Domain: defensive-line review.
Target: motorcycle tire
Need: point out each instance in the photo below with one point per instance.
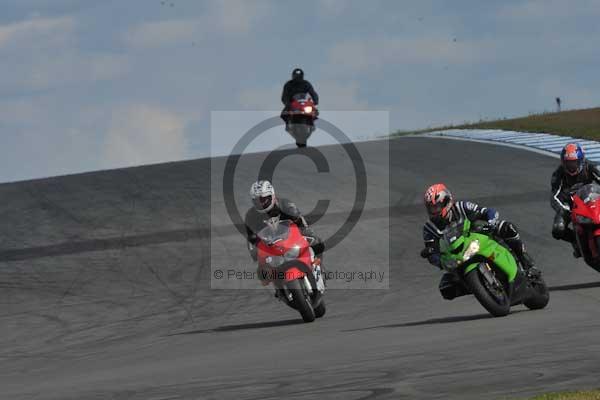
(540, 295)
(320, 309)
(485, 298)
(301, 303)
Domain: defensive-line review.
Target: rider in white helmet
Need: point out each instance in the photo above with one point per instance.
(267, 205)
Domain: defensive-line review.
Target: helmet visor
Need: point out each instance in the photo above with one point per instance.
(436, 209)
(572, 166)
(262, 202)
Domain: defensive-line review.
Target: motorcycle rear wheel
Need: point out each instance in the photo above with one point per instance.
(540, 295)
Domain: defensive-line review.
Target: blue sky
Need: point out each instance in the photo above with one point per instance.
(89, 85)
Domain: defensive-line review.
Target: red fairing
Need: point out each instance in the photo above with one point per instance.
(305, 106)
(279, 248)
(590, 210)
(587, 233)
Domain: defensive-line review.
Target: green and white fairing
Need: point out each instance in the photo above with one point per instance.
(465, 249)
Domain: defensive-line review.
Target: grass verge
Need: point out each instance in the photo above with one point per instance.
(580, 395)
(583, 123)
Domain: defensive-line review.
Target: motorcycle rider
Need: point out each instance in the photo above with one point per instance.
(267, 205)
(442, 210)
(295, 86)
(574, 169)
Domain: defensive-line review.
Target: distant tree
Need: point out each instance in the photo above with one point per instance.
(558, 104)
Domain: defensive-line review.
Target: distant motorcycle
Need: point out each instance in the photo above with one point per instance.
(585, 216)
(488, 269)
(286, 260)
(301, 118)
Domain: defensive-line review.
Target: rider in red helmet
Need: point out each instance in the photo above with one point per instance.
(573, 169)
(442, 210)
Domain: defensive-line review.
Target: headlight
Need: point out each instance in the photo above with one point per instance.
(308, 109)
(583, 220)
(471, 250)
(292, 253)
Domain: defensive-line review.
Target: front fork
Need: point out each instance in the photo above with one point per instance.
(284, 293)
(489, 275)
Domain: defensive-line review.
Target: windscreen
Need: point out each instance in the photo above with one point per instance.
(453, 232)
(589, 192)
(301, 96)
(274, 232)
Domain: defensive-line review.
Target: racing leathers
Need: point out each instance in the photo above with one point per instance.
(561, 201)
(450, 287)
(286, 210)
(293, 87)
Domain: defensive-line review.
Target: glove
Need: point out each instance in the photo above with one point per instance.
(308, 234)
(487, 229)
(427, 252)
(493, 217)
(253, 253)
(264, 274)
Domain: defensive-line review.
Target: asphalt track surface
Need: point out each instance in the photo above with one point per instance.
(105, 287)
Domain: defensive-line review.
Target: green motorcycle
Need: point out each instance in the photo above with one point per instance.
(488, 269)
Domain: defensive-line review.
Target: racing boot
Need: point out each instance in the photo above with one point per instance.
(524, 258)
(319, 273)
(576, 252)
(528, 264)
(570, 237)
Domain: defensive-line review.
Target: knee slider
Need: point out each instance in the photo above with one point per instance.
(508, 230)
(558, 230)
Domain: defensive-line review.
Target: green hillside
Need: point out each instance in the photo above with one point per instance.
(583, 123)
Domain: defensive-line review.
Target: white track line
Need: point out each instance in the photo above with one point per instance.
(541, 143)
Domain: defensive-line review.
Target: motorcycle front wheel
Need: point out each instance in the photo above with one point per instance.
(492, 296)
(301, 302)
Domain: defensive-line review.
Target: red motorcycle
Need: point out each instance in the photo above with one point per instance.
(286, 260)
(301, 118)
(585, 216)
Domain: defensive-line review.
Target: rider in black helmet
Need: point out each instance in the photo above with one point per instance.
(294, 86)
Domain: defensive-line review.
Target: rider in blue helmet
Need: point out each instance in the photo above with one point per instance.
(574, 169)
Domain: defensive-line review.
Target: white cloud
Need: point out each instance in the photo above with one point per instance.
(17, 111)
(571, 95)
(100, 67)
(232, 17)
(143, 134)
(341, 96)
(162, 33)
(61, 66)
(554, 9)
(362, 55)
(73, 67)
(333, 95)
(42, 53)
(48, 29)
(236, 16)
(332, 8)
(261, 98)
